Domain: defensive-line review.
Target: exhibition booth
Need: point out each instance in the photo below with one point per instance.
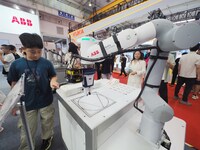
(109, 115)
(15, 22)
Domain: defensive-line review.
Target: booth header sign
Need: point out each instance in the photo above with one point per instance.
(17, 22)
(65, 15)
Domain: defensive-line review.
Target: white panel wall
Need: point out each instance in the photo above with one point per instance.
(50, 29)
(12, 38)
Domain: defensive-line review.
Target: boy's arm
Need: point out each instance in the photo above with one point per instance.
(53, 83)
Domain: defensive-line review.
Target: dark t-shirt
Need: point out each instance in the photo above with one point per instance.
(38, 93)
(106, 66)
(16, 56)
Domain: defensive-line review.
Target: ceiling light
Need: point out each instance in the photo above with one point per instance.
(32, 12)
(90, 4)
(184, 21)
(16, 7)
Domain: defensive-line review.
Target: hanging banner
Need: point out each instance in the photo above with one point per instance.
(17, 22)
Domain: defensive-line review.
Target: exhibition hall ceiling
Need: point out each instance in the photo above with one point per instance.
(170, 7)
(84, 5)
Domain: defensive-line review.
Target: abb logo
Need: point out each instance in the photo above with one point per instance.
(95, 53)
(22, 21)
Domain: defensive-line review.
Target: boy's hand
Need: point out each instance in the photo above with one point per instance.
(54, 84)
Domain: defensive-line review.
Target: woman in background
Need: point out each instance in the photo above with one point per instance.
(137, 69)
(73, 49)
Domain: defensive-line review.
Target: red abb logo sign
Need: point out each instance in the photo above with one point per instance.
(22, 21)
(95, 53)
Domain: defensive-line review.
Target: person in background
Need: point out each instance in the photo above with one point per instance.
(123, 64)
(188, 74)
(40, 79)
(13, 51)
(175, 70)
(163, 90)
(112, 61)
(197, 83)
(20, 52)
(106, 69)
(137, 69)
(73, 49)
(6, 58)
(98, 70)
(147, 56)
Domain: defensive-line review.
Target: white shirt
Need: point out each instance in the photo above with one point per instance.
(9, 58)
(140, 67)
(170, 60)
(188, 65)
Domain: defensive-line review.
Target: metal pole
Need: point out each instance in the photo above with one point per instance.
(26, 126)
(69, 30)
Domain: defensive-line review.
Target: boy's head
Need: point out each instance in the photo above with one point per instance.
(32, 45)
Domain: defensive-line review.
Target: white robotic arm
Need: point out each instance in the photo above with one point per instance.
(169, 37)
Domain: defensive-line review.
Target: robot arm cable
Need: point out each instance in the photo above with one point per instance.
(135, 104)
(112, 54)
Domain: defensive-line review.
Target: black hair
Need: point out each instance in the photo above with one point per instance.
(195, 48)
(5, 46)
(12, 47)
(141, 55)
(29, 40)
(73, 48)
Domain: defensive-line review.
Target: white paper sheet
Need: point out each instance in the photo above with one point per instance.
(11, 99)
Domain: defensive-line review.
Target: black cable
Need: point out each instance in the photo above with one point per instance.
(135, 104)
(112, 54)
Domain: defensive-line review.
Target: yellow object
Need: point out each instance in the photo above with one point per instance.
(69, 72)
(107, 7)
(98, 25)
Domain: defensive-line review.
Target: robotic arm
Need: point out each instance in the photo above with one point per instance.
(169, 37)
